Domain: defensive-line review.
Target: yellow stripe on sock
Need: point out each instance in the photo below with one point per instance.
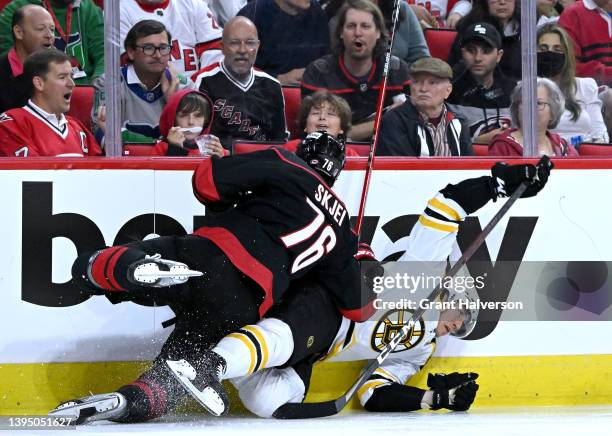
(262, 343)
(246, 341)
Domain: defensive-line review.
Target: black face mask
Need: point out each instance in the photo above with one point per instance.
(550, 63)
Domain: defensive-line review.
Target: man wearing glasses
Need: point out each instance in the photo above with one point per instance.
(196, 36)
(146, 84)
(248, 104)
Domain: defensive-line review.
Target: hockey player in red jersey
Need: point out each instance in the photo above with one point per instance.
(298, 316)
(271, 218)
(41, 128)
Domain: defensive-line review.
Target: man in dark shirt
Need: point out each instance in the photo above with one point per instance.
(354, 70)
(293, 33)
(248, 103)
(481, 92)
(32, 30)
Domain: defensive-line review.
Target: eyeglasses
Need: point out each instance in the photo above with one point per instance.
(150, 49)
(235, 44)
(542, 105)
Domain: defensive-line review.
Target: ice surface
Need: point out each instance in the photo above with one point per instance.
(540, 421)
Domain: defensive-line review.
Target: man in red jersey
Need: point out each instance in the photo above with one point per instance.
(40, 128)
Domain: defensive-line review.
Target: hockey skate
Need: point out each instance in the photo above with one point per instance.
(205, 386)
(93, 408)
(158, 273)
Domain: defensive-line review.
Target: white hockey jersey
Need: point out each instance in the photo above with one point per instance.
(196, 36)
(431, 239)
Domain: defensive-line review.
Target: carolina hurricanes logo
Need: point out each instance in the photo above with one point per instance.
(390, 325)
(4, 117)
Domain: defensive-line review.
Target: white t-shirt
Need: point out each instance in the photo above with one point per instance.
(590, 124)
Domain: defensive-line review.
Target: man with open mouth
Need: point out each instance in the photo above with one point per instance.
(355, 68)
(40, 128)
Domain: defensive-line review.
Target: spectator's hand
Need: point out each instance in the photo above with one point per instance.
(101, 116)
(293, 77)
(175, 136)
(214, 145)
(169, 86)
(452, 20)
(424, 17)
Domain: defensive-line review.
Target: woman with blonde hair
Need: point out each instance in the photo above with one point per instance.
(582, 120)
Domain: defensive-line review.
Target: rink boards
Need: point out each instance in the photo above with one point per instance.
(58, 344)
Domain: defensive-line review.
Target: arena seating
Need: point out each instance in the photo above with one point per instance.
(82, 103)
(293, 100)
(595, 149)
(440, 42)
(481, 149)
(241, 147)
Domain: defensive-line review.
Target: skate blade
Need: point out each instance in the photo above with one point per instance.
(83, 411)
(170, 274)
(207, 397)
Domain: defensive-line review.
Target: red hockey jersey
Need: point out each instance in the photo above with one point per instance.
(27, 132)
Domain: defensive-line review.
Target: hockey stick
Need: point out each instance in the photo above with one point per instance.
(378, 116)
(332, 407)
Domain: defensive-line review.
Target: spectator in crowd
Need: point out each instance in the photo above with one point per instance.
(147, 83)
(589, 25)
(505, 15)
(435, 13)
(550, 106)
(248, 103)
(606, 99)
(33, 30)
(424, 125)
(582, 120)
(196, 36)
(293, 33)
(355, 68)
(481, 92)
(409, 42)
(185, 129)
(79, 31)
(40, 128)
(323, 112)
(223, 10)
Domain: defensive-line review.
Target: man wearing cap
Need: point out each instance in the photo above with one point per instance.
(424, 125)
(481, 92)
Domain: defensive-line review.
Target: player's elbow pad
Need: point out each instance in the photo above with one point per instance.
(395, 398)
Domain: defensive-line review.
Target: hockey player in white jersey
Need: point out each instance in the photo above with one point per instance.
(302, 328)
(305, 326)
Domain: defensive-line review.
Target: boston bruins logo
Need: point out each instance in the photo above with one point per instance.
(390, 325)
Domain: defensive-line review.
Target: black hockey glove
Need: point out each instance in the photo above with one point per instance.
(455, 391)
(370, 267)
(508, 177)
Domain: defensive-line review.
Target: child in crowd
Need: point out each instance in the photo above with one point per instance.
(184, 125)
(323, 112)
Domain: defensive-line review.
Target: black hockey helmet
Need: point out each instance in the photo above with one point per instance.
(324, 153)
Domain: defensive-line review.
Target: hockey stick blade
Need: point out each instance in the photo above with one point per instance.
(328, 408)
